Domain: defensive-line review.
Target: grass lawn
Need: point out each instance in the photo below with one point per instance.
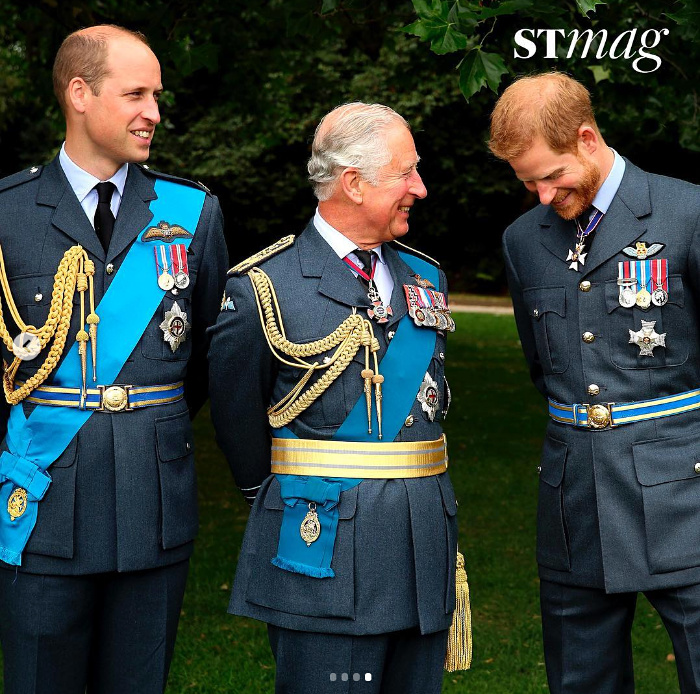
(494, 429)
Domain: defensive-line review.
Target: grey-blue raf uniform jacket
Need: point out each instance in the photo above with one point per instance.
(394, 556)
(618, 508)
(123, 495)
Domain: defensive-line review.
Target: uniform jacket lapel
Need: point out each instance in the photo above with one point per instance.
(318, 259)
(623, 224)
(69, 217)
(134, 213)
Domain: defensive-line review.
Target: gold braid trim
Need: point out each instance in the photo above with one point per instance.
(352, 334)
(69, 277)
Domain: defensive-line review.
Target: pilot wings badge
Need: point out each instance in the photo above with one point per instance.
(164, 231)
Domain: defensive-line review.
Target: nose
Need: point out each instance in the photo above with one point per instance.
(151, 112)
(417, 187)
(545, 191)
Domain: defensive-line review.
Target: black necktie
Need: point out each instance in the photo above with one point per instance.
(365, 257)
(104, 219)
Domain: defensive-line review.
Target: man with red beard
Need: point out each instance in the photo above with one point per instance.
(604, 278)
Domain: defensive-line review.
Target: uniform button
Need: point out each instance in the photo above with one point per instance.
(535, 312)
(109, 269)
(593, 389)
(588, 337)
(38, 297)
(585, 286)
(539, 469)
(409, 421)
(188, 446)
(697, 468)
(390, 334)
(442, 356)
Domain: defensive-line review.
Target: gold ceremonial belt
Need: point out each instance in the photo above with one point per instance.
(359, 460)
(114, 398)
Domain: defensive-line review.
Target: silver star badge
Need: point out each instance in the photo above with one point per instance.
(428, 396)
(175, 326)
(647, 338)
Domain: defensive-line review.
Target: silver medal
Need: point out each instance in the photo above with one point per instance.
(182, 280)
(628, 297)
(659, 296)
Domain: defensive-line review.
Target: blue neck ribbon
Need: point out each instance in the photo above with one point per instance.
(404, 365)
(35, 442)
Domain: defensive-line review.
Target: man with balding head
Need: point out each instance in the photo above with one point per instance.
(604, 277)
(114, 275)
(337, 339)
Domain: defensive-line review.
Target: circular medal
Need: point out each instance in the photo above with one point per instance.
(659, 297)
(310, 529)
(419, 316)
(643, 298)
(182, 280)
(430, 318)
(628, 297)
(441, 320)
(166, 281)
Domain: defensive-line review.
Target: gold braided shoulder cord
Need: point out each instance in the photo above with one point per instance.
(352, 334)
(75, 271)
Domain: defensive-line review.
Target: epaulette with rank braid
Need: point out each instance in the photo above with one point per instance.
(413, 251)
(175, 179)
(262, 256)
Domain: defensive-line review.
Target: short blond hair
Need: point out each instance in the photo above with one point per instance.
(550, 104)
(84, 54)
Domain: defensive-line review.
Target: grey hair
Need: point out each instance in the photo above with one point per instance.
(355, 137)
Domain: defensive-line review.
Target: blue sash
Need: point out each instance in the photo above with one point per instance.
(34, 443)
(403, 366)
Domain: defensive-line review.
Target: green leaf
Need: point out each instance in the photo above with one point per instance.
(599, 73)
(449, 41)
(480, 69)
(438, 25)
(329, 6)
(585, 6)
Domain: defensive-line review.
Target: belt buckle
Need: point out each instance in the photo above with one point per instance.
(599, 416)
(114, 398)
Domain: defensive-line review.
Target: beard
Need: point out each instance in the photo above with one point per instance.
(581, 197)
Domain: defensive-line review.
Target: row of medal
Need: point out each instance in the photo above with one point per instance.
(171, 267)
(428, 308)
(643, 283)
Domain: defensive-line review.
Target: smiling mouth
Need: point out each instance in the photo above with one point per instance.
(405, 209)
(560, 200)
(142, 134)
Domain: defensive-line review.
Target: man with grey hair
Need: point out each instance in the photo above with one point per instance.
(338, 340)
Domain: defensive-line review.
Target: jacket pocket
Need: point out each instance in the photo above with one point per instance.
(449, 503)
(546, 307)
(178, 481)
(552, 542)
(670, 319)
(291, 593)
(669, 472)
(53, 534)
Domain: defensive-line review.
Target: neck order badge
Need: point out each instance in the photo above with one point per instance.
(34, 443)
(312, 502)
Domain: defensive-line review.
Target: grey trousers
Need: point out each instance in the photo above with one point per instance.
(108, 633)
(401, 662)
(587, 637)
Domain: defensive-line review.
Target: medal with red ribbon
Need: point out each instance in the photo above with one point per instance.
(379, 311)
(659, 277)
(178, 255)
(428, 308)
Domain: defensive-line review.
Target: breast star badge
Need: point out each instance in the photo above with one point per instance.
(175, 326)
(428, 397)
(647, 338)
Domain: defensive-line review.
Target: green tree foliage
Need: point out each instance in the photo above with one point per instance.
(247, 82)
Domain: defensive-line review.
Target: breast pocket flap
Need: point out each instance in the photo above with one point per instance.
(667, 460)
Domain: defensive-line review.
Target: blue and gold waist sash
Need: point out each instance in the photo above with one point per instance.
(35, 442)
(403, 366)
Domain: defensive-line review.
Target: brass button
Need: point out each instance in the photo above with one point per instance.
(588, 337)
(593, 389)
(585, 286)
(38, 297)
(409, 421)
(535, 312)
(697, 468)
(109, 269)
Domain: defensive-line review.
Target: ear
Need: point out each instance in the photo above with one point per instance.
(78, 94)
(588, 138)
(351, 183)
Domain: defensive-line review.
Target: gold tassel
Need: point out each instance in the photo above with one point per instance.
(459, 642)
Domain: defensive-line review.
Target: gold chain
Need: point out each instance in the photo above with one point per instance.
(71, 274)
(352, 334)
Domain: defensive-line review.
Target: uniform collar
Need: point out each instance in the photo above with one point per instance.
(610, 186)
(341, 244)
(83, 182)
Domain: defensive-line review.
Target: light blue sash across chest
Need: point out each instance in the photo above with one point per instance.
(403, 366)
(35, 442)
